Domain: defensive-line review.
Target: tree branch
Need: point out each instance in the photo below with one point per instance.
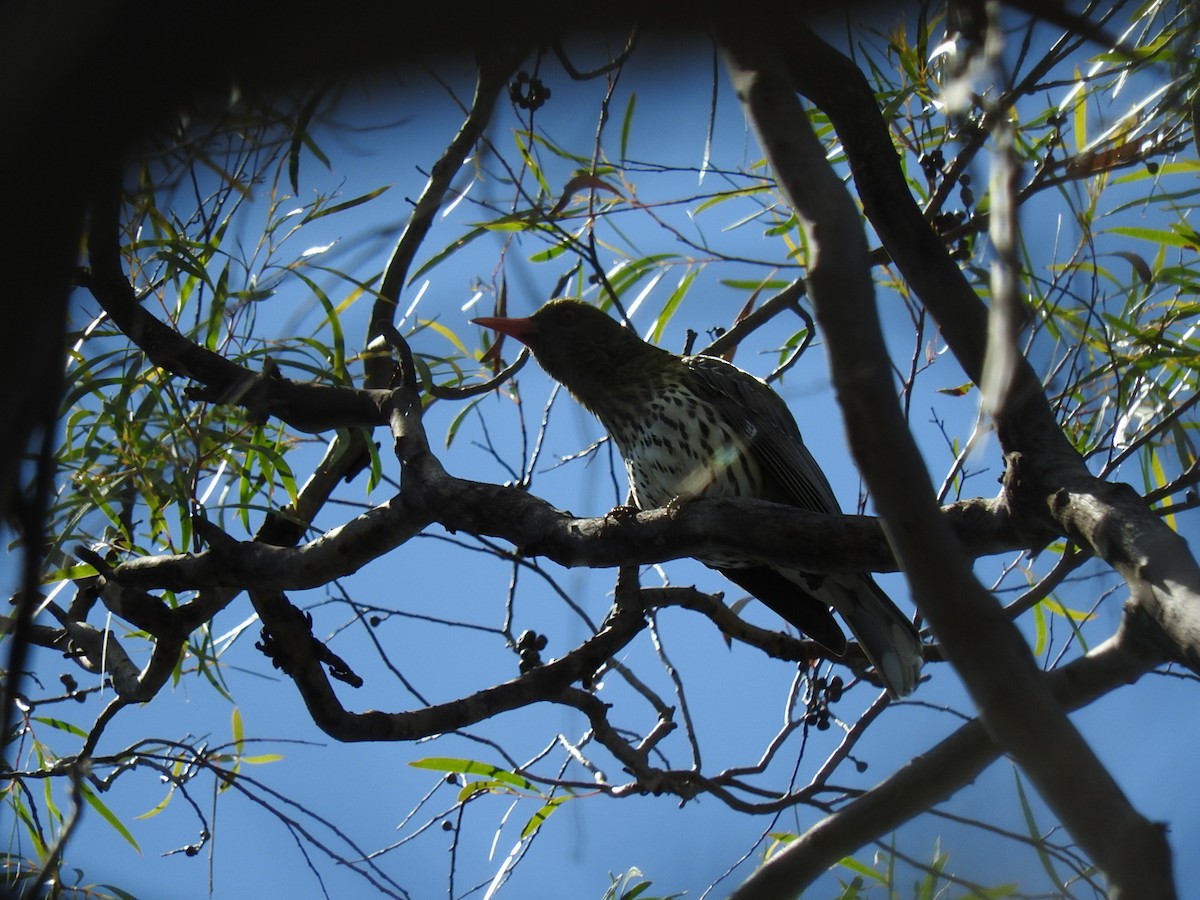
(544, 683)
(986, 649)
(934, 776)
(496, 65)
(765, 531)
(307, 407)
(1047, 485)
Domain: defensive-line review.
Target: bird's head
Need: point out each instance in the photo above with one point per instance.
(582, 348)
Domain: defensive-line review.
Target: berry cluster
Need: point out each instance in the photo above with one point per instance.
(933, 164)
(824, 693)
(529, 647)
(72, 687)
(528, 91)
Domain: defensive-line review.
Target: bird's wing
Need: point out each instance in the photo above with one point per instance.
(763, 419)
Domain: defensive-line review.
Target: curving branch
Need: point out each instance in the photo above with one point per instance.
(306, 407)
(986, 649)
(293, 650)
(1047, 482)
(496, 66)
(934, 776)
(753, 528)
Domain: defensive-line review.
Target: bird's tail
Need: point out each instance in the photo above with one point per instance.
(888, 638)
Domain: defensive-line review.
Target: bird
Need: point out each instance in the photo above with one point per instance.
(699, 427)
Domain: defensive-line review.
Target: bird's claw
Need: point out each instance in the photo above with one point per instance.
(619, 514)
(675, 507)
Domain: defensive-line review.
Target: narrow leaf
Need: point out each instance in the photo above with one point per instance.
(536, 820)
(107, 815)
(627, 124)
(345, 205)
(472, 767)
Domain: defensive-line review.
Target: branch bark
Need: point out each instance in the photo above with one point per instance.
(934, 776)
(496, 65)
(766, 531)
(1048, 484)
(986, 649)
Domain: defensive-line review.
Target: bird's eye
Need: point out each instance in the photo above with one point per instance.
(568, 316)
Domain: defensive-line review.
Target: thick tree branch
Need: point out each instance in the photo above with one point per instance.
(1053, 487)
(755, 528)
(293, 638)
(932, 777)
(429, 495)
(306, 407)
(985, 648)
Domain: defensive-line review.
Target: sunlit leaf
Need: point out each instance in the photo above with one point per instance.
(446, 333)
(1079, 114)
(1189, 241)
(627, 124)
(107, 815)
(60, 725)
(960, 391)
(346, 204)
(538, 818)
(472, 767)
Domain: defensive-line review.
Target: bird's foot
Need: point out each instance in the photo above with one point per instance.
(619, 514)
(678, 502)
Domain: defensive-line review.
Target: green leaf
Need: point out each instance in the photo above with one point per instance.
(446, 333)
(724, 196)
(1040, 633)
(1075, 615)
(448, 251)
(238, 732)
(673, 302)
(348, 204)
(538, 818)
(520, 221)
(262, 759)
(459, 418)
(337, 350)
(61, 726)
(849, 862)
(1036, 835)
(1079, 113)
(1189, 241)
(567, 242)
(1181, 167)
(107, 815)
(151, 813)
(771, 284)
(473, 767)
(627, 124)
(526, 152)
(998, 892)
(961, 391)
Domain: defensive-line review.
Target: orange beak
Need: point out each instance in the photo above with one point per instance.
(521, 329)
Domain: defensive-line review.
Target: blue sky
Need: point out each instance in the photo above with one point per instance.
(736, 697)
